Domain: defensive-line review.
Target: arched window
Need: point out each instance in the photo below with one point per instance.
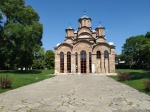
(106, 54)
(83, 61)
(61, 62)
(68, 62)
(76, 60)
(98, 54)
(90, 62)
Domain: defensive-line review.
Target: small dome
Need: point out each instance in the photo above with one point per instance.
(93, 31)
(58, 44)
(99, 26)
(84, 16)
(75, 31)
(69, 27)
(111, 43)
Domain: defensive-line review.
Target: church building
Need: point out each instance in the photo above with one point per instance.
(85, 50)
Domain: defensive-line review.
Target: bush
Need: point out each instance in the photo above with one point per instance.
(124, 76)
(5, 82)
(147, 85)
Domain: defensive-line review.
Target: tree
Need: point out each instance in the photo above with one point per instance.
(39, 61)
(132, 50)
(22, 33)
(2, 44)
(49, 59)
(146, 49)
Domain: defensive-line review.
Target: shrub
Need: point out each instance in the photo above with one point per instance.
(5, 82)
(147, 85)
(124, 76)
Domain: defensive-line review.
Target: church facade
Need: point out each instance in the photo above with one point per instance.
(85, 50)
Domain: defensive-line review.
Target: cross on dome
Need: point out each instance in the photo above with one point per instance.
(99, 24)
(84, 16)
(84, 12)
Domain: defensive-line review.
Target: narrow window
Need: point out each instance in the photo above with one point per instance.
(61, 62)
(84, 22)
(76, 60)
(98, 54)
(90, 62)
(106, 54)
(68, 62)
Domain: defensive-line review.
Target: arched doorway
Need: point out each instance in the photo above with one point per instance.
(83, 61)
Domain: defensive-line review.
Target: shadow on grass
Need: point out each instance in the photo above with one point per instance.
(21, 72)
(137, 75)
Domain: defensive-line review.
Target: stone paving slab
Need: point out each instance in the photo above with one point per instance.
(75, 93)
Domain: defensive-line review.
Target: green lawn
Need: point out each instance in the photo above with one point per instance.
(138, 78)
(22, 78)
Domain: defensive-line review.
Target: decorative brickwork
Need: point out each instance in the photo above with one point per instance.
(85, 50)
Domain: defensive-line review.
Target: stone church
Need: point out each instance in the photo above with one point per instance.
(85, 50)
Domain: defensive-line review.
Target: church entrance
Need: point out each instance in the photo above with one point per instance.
(83, 61)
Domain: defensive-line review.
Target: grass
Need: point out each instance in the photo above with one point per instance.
(22, 78)
(138, 77)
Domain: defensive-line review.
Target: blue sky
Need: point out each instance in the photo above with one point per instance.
(121, 18)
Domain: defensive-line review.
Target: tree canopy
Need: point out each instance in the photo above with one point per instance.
(49, 59)
(20, 34)
(136, 51)
(39, 59)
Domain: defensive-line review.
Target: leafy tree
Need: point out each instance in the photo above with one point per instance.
(146, 49)
(49, 59)
(22, 33)
(2, 55)
(39, 62)
(132, 50)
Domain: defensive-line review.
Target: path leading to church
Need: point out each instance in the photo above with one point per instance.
(75, 93)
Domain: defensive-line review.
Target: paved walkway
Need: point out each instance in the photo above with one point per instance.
(75, 93)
